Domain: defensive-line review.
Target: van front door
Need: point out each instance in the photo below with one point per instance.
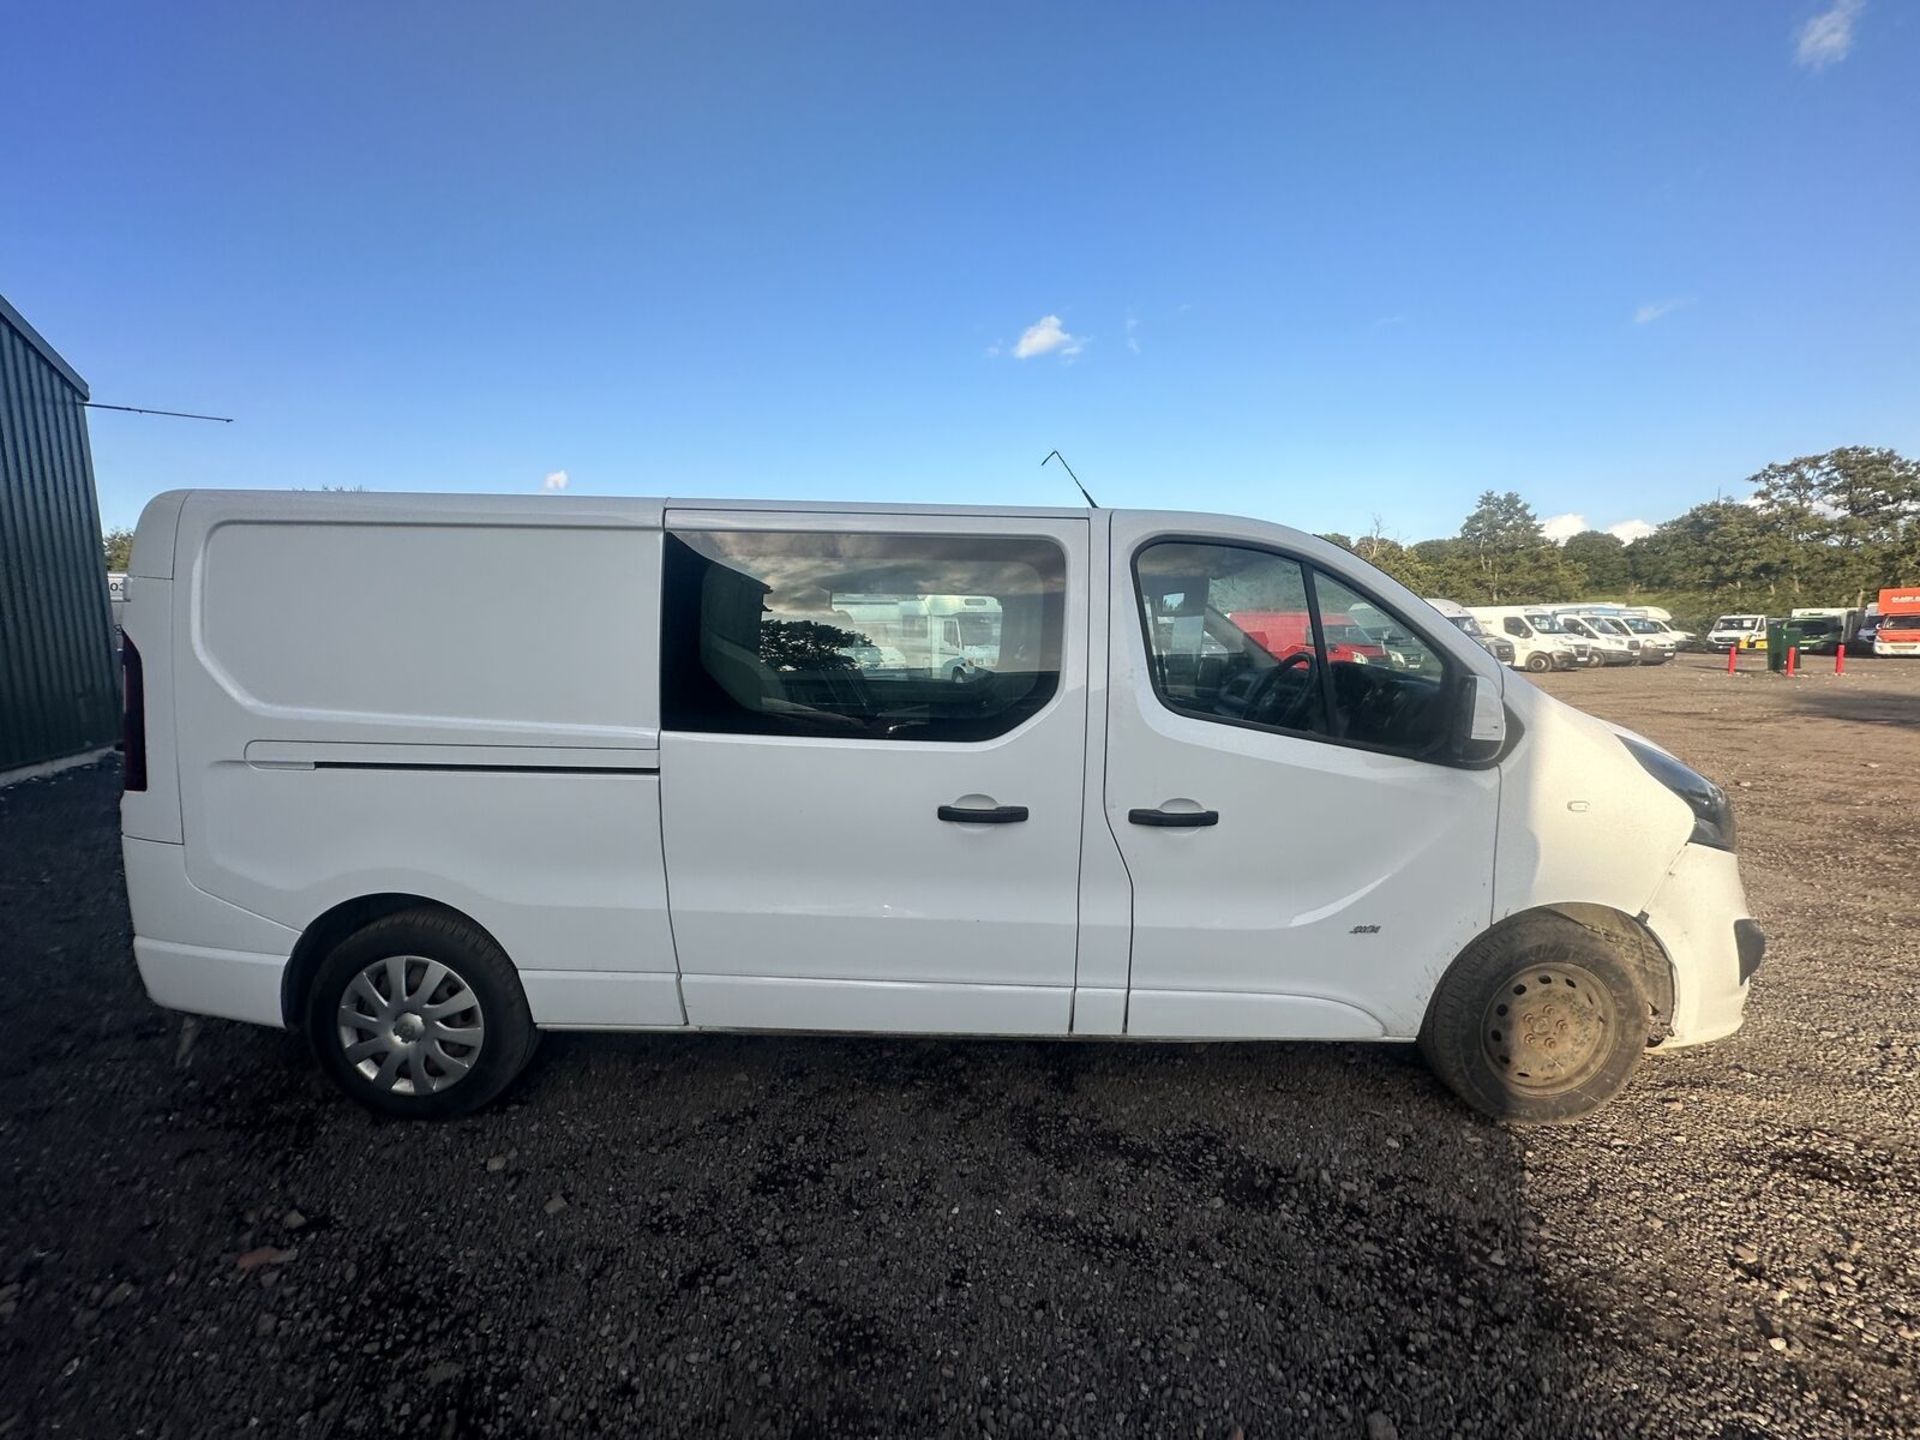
(857, 837)
(1297, 870)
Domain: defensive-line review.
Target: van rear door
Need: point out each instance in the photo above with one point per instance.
(856, 837)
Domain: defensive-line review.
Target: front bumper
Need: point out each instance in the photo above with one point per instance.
(1699, 916)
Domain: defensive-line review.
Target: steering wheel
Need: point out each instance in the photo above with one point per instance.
(1264, 687)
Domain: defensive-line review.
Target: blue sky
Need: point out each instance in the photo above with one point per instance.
(1315, 263)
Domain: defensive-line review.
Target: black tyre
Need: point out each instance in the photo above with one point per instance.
(420, 1015)
(1539, 1022)
(1539, 661)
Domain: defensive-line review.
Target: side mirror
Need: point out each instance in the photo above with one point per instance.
(1482, 732)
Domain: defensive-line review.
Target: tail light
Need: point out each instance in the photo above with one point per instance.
(133, 717)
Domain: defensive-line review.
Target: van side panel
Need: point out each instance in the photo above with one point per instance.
(424, 632)
(564, 870)
(456, 700)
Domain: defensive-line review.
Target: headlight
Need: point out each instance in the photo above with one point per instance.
(1712, 811)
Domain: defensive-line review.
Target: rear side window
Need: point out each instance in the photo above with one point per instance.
(1516, 627)
(1248, 637)
(859, 636)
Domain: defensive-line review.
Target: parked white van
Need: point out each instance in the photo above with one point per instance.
(1738, 632)
(1610, 643)
(1457, 615)
(1651, 643)
(423, 775)
(1538, 647)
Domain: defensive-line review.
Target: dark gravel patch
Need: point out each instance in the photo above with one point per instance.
(848, 1237)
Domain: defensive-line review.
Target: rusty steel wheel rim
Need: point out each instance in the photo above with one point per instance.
(1549, 1029)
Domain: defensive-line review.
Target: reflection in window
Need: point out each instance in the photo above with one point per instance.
(912, 637)
(1398, 701)
(1232, 636)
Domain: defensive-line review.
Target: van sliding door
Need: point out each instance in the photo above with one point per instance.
(873, 729)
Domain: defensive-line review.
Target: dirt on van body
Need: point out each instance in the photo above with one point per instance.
(688, 1234)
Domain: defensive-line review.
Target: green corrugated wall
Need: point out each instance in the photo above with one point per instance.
(58, 692)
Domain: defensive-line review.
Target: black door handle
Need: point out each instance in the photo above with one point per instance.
(1174, 819)
(998, 815)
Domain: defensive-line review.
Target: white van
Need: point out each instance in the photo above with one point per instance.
(1658, 640)
(1651, 643)
(1456, 615)
(1611, 644)
(1663, 622)
(1538, 647)
(1737, 632)
(423, 775)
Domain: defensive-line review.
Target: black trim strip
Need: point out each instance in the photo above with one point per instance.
(485, 769)
(1750, 942)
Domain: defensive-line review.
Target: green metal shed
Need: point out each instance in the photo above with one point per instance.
(58, 693)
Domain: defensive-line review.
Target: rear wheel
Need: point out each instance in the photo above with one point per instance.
(420, 1015)
(1541, 1022)
(1539, 660)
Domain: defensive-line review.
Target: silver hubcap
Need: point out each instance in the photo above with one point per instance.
(411, 1025)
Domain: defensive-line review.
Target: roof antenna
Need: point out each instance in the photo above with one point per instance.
(1092, 504)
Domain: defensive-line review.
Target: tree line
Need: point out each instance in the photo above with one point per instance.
(1818, 530)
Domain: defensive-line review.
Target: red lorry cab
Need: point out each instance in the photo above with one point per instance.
(1899, 632)
(1290, 632)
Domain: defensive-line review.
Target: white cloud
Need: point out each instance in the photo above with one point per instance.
(1045, 336)
(1133, 340)
(1631, 530)
(1828, 36)
(1654, 309)
(556, 481)
(1559, 528)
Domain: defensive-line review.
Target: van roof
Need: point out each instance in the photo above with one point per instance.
(546, 505)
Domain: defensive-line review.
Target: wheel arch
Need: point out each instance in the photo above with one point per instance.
(332, 926)
(1629, 934)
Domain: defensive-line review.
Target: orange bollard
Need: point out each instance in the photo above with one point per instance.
(1840, 660)
(1793, 661)
(1733, 658)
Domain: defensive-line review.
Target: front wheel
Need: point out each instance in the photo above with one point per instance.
(1539, 661)
(1539, 1023)
(420, 1015)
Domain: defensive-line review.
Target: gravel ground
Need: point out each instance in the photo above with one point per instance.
(849, 1237)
